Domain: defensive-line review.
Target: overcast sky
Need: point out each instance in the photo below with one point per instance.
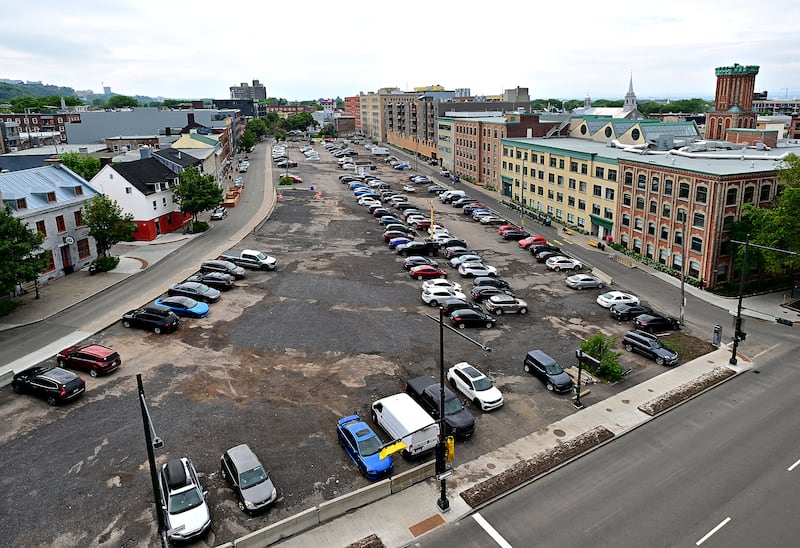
(311, 49)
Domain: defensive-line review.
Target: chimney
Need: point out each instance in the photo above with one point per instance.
(190, 116)
(144, 152)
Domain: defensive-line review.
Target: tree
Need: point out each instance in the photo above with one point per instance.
(600, 348)
(258, 127)
(196, 192)
(23, 258)
(247, 141)
(302, 121)
(108, 225)
(328, 131)
(122, 101)
(85, 166)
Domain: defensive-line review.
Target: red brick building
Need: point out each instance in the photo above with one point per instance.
(733, 101)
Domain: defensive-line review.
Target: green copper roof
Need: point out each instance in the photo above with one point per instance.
(736, 70)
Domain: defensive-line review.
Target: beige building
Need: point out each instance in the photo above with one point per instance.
(372, 107)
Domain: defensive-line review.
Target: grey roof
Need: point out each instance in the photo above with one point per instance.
(144, 173)
(34, 185)
(180, 157)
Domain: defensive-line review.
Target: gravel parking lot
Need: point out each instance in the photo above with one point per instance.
(276, 363)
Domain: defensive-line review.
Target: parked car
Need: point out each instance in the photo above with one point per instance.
(435, 295)
(525, 243)
(392, 234)
(94, 359)
(441, 283)
(417, 260)
(650, 346)
(400, 240)
(226, 267)
(469, 209)
(427, 392)
(158, 319)
(491, 220)
(477, 387)
(418, 247)
(456, 251)
(547, 370)
(451, 305)
(505, 304)
(584, 281)
(250, 481)
(53, 384)
(401, 165)
(455, 262)
(426, 272)
(626, 312)
(249, 258)
(183, 500)
(420, 179)
(559, 263)
(515, 235)
(468, 270)
(487, 280)
(542, 256)
(480, 293)
(537, 249)
(655, 322)
(197, 291)
(363, 447)
(409, 188)
(184, 306)
(452, 242)
(472, 318)
(606, 300)
(217, 280)
(219, 213)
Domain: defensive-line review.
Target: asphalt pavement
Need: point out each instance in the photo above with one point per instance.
(398, 520)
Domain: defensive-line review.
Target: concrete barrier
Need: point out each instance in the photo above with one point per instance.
(280, 530)
(415, 475)
(6, 378)
(340, 505)
(605, 278)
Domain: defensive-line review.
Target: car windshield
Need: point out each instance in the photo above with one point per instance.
(185, 500)
(252, 477)
(483, 384)
(656, 344)
(453, 405)
(369, 446)
(553, 369)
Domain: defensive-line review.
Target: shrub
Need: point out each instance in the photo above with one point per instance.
(200, 226)
(7, 306)
(285, 181)
(600, 347)
(107, 264)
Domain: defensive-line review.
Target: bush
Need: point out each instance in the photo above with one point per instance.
(7, 306)
(600, 347)
(107, 264)
(200, 226)
(285, 181)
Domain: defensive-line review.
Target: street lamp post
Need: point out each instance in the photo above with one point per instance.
(738, 335)
(152, 441)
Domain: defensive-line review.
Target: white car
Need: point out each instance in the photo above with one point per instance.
(367, 201)
(455, 262)
(409, 188)
(606, 300)
(182, 500)
(437, 295)
(504, 304)
(471, 270)
(492, 220)
(559, 263)
(441, 283)
(476, 386)
(415, 217)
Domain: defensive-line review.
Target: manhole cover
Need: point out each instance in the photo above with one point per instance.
(560, 433)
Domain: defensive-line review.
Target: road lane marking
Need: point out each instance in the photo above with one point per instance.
(491, 531)
(722, 524)
(770, 349)
(792, 467)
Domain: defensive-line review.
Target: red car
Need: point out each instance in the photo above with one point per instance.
(502, 229)
(92, 358)
(427, 272)
(525, 243)
(390, 234)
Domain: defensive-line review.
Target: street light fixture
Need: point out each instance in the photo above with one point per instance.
(153, 442)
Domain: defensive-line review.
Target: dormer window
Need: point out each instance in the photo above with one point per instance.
(78, 191)
(51, 196)
(21, 203)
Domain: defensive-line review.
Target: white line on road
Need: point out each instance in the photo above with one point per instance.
(491, 531)
(792, 467)
(770, 349)
(722, 524)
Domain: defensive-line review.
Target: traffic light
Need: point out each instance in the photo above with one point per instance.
(450, 448)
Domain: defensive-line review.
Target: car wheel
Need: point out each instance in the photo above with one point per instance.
(157, 331)
(434, 303)
(62, 362)
(374, 417)
(241, 506)
(462, 326)
(550, 387)
(527, 368)
(499, 311)
(660, 360)
(51, 400)
(489, 325)
(577, 267)
(557, 269)
(629, 348)
(580, 287)
(420, 277)
(523, 310)
(93, 372)
(600, 286)
(126, 323)
(477, 403)
(18, 388)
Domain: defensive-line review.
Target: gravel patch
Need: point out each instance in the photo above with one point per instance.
(686, 391)
(372, 541)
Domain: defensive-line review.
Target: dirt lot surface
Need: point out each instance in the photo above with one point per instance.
(277, 362)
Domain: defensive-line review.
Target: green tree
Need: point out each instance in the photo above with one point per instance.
(258, 127)
(23, 259)
(601, 347)
(196, 192)
(85, 166)
(328, 131)
(247, 141)
(302, 121)
(122, 101)
(107, 223)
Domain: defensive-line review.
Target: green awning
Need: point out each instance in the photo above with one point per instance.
(602, 221)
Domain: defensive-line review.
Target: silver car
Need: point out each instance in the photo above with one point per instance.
(506, 304)
(583, 281)
(248, 478)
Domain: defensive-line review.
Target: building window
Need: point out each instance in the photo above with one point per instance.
(677, 261)
(612, 175)
(694, 269)
(599, 172)
(559, 213)
(83, 248)
(639, 203)
(653, 207)
(662, 256)
(626, 199)
(624, 241)
(595, 209)
(664, 233)
(597, 190)
(60, 225)
(582, 205)
(650, 251)
(550, 194)
(551, 178)
(628, 181)
(573, 184)
(78, 191)
(731, 196)
(584, 169)
(638, 224)
(654, 184)
(609, 194)
(559, 197)
(697, 244)
(701, 195)
(573, 166)
(683, 191)
(571, 218)
(560, 181)
(637, 246)
(681, 215)
(698, 220)
(641, 182)
(749, 194)
(626, 219)
(678, 237)
(764, 194)
(51, 261)
(51, 196)
(582, 186)
(608, 213)
(40, 227)
(581, 222)
(553, 162)
(22, 204)
(667, 189)
(571, 201)
(78, 218)
(651, 229)
(666, 210)
(560, 164)
(155, 204)
(727, 222)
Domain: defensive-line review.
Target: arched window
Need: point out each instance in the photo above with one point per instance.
(698, 220)
(683, 190)
(764, 195)
(701, 195)
(731, 196)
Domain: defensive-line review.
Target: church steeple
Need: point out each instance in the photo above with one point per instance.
(630, 98)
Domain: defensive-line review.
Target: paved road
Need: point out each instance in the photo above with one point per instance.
(720, 459)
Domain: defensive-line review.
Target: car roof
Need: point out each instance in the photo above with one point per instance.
(96, 350)
(243, 457)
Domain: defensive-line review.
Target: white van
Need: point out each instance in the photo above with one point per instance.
(403, 419)
(450, 195)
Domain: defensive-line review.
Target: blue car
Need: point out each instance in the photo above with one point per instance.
(354, 186)
(184, 306)
(363, 447)
(394, 242)
(365, 192)
(401, 165)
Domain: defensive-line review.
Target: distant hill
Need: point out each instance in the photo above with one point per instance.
(9, 91)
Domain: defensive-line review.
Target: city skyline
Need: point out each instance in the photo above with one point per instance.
(192, 50)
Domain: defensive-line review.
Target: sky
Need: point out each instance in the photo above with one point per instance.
(314, 49)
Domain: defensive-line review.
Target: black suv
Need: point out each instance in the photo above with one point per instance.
(416, 247)
(547, 370)
(483, 292)
(451, 305)
(626, 312)
(158, 319)
(488, 280)
(226, 267)
(54, 384)
(655, 322)
(649, 345)
(426, 391)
